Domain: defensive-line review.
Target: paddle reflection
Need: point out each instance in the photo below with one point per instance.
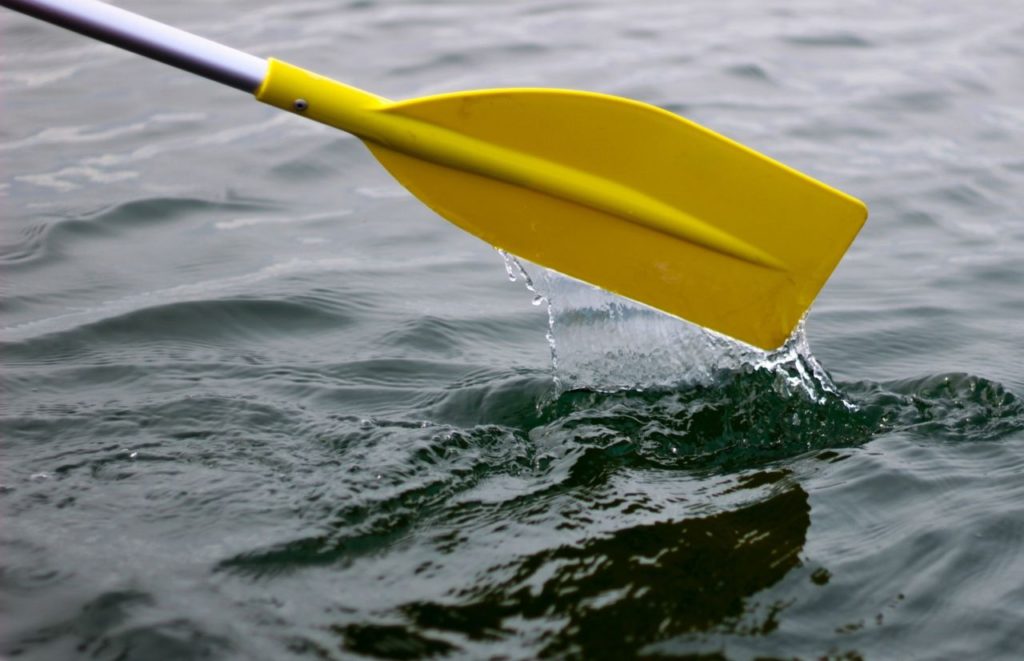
(611, 596)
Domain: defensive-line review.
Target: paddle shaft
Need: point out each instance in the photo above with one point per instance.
(149, 38)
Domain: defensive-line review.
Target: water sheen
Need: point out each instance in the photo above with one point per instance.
(258, 403)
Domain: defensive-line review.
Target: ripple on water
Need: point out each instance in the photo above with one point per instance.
(125, 624)
(573, 509)
(647, 583)
(196, 324)
(47, 242)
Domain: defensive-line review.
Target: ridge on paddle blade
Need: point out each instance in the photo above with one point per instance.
(787, 230)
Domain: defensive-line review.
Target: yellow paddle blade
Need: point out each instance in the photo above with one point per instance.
(616, 193)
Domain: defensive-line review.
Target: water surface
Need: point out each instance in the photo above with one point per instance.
(259, 403)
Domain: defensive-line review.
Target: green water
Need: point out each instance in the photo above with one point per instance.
(258, 403)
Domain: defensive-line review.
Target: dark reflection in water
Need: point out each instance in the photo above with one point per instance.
(611, 596)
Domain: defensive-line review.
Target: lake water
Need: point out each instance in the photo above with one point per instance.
(259, 403)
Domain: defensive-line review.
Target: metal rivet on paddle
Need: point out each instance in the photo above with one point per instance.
(300, 105)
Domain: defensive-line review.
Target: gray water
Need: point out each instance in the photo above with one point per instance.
(259, 403)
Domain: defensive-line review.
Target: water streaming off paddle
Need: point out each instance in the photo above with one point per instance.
(677, 395)
(601, 341)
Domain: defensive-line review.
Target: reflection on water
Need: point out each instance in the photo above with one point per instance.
(611, 596)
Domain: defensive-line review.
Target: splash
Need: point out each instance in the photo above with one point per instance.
(602, 342)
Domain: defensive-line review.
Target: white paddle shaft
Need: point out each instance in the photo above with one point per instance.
(149, 38)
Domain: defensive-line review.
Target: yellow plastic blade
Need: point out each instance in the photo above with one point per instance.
(617, 193)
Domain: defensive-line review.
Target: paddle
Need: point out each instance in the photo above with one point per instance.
(614, 192)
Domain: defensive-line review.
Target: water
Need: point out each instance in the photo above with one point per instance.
(260, 404)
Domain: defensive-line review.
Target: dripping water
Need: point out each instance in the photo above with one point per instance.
(603, 342)
(515, 271)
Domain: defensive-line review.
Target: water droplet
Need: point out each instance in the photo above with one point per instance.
(515, 270)
(510, 270)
